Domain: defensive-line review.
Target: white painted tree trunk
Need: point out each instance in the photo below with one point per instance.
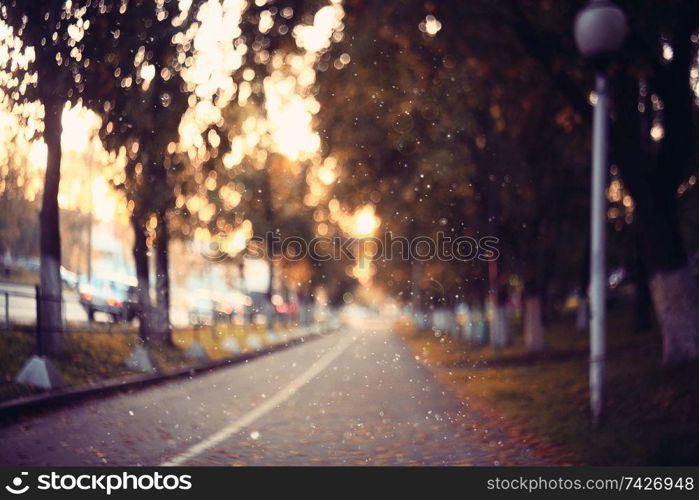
(480, 327)
(503, 324)
(499, 327)
(50, 313)
(533, 326)
(676, 300)
(467, 325)
(421, 319)
(443, 320)
(452, 323)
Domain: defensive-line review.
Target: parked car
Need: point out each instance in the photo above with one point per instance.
(30, 263)
(241, 306)
(69, 278)
(113, 294)
(207, 308)
(285, 309)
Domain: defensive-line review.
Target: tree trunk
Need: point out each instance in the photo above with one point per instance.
(415, 296)
(496, 304)
(140, 255)
(269, 216)
(499, 325)
(270, 283)
(442, 319)
(676, 295)
(582, 318)
(50, 310)
(247, 310)
(642, 300)
(653, 182)
(479, 325)
(163, 328)
(467, 323)
(271, 314)
(534, 299)
(306, 308)
(301, 317)
(533, 325)
(673, 288)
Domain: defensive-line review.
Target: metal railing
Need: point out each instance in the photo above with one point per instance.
(22, 312)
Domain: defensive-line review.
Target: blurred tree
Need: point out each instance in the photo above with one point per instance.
(19, 226)
(81, 55)
(49, 28)
(262, 189)
(375, 121)
(656, 65)
(135, 86)
(452, 126)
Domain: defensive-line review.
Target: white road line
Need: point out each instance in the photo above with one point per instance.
(259, 411)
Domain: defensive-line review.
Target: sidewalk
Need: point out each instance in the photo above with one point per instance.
(19, 406)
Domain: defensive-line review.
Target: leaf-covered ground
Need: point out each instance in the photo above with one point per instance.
(652, 413)
(95, 356)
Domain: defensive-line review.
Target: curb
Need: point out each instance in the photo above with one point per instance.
(11, 410)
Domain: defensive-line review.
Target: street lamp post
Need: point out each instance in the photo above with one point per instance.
(600, 29)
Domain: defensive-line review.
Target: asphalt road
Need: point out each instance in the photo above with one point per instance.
(356, 397)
